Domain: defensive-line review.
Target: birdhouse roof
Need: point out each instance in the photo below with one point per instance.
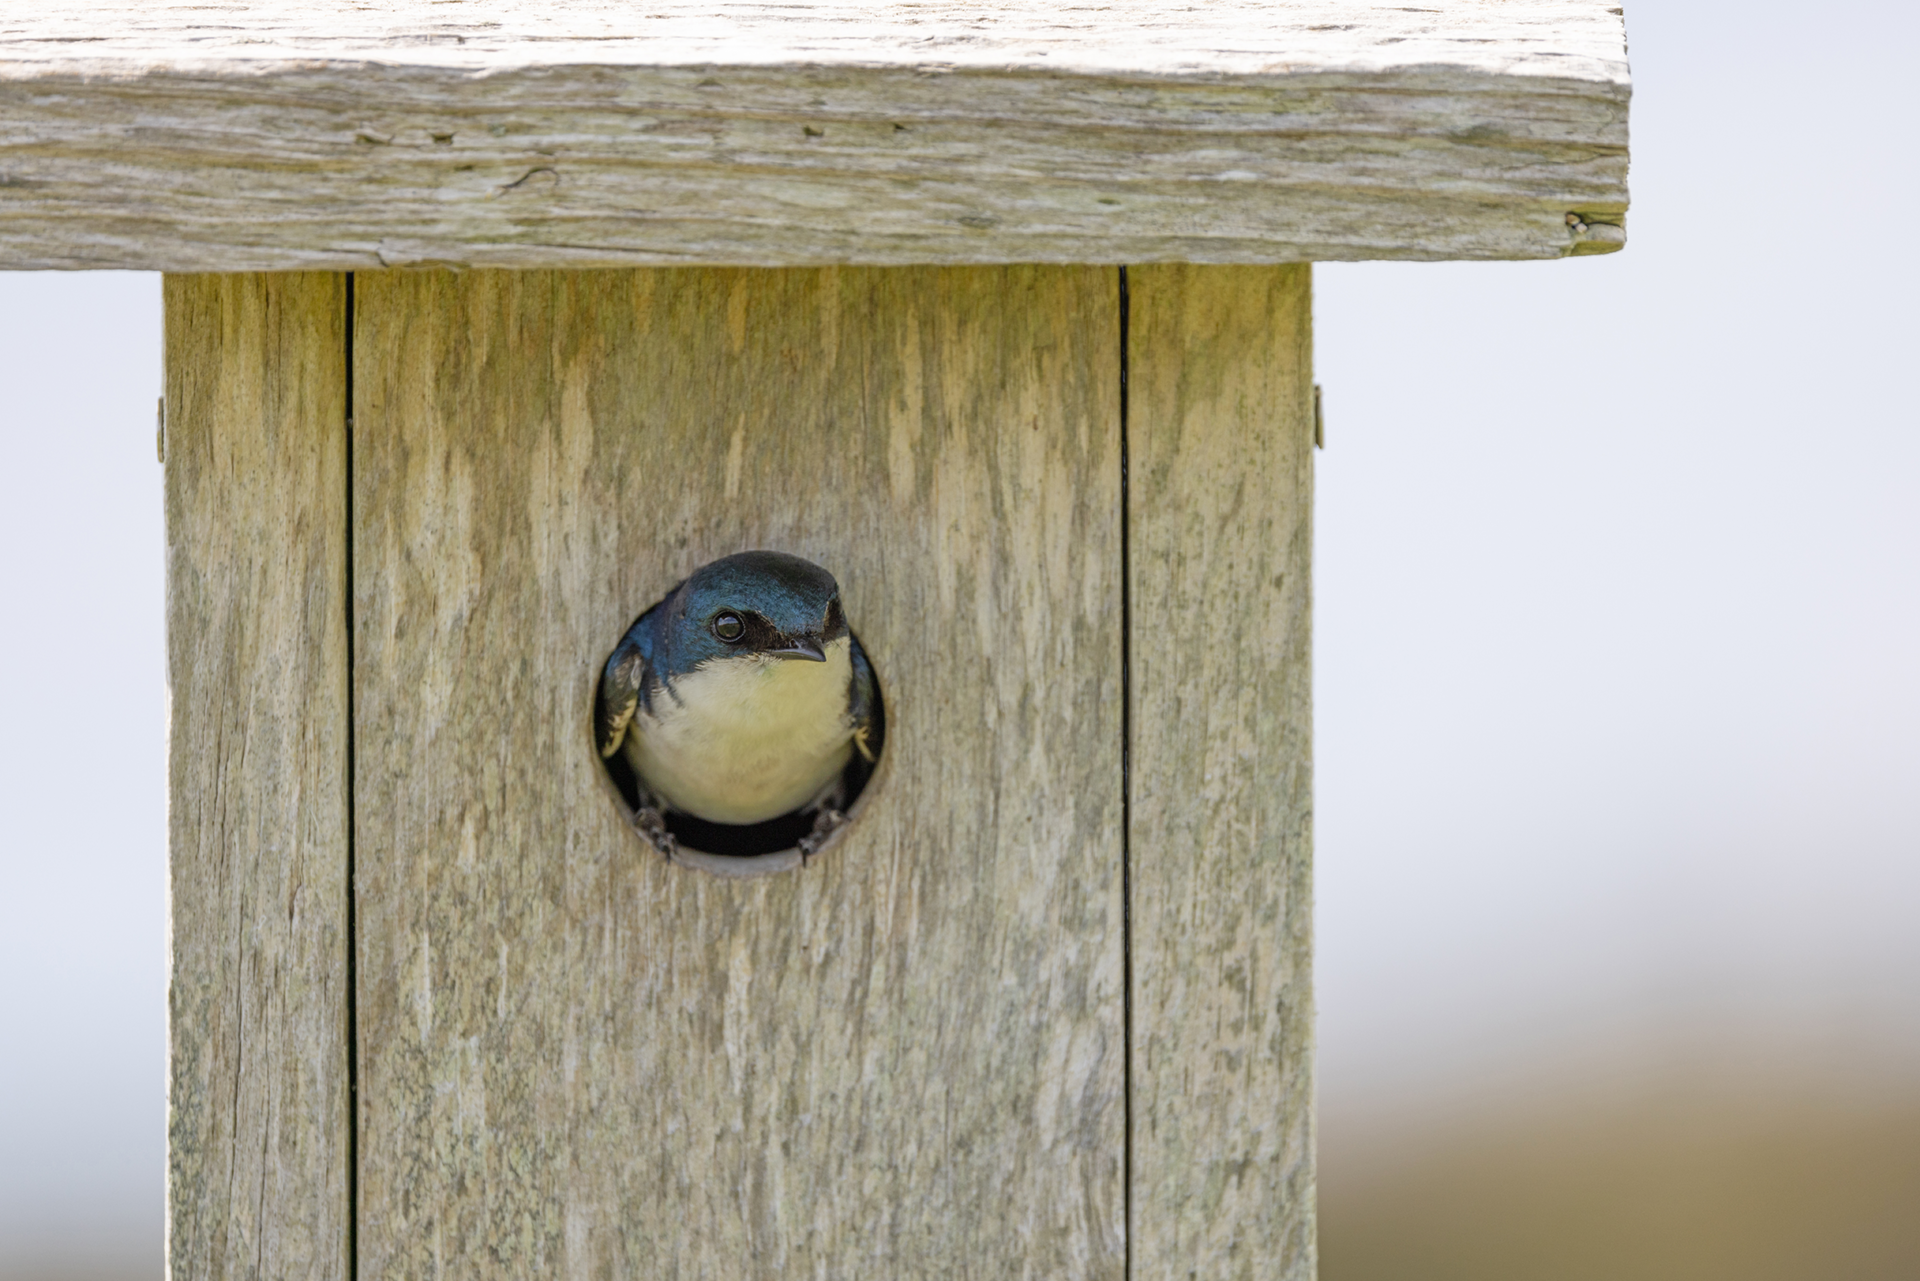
(559, 133)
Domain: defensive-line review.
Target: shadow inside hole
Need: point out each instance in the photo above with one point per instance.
(750, 840)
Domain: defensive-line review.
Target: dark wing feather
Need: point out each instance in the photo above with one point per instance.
(863, 707)
(622, 685)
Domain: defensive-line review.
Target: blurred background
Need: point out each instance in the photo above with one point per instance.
(1618, 681)
(1618, 702)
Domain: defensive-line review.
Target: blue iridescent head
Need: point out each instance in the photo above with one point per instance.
(760, 603)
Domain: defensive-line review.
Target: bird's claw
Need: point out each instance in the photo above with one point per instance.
(653, 830)
(825, 823)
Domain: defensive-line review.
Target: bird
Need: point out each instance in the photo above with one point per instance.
(742, 696)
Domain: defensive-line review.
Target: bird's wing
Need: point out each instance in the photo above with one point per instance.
(622, 684)
(863, 706)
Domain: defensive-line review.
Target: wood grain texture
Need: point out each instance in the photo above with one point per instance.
(516, 133)
(257, 776)
(904, 1060)
(1550, 38)
(1220, 435)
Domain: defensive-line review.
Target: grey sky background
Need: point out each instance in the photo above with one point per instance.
(82, 771)
(1618, 601)
(1618, 593)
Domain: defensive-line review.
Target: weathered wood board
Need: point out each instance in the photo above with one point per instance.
(915, 1057)
(257, 819)
(905, 1060)
(535, 133)
(1220, 441)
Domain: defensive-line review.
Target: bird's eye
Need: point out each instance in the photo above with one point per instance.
(728, 627)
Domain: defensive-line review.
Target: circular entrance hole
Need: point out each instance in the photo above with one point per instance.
(707, 691)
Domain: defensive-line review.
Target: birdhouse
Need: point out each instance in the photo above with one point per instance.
(489, 322)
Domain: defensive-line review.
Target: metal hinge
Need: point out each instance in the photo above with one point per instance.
(160, 431)
(1319, 420)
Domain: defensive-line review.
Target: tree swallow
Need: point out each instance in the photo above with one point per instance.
(742, 696)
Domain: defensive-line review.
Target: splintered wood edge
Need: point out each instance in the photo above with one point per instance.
(529, 134)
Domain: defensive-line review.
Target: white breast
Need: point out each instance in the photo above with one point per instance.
(742, 740)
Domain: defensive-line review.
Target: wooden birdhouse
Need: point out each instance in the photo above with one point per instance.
(489, 321)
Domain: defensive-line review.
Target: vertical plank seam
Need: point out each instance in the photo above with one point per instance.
(1126, 805)
(353, 936)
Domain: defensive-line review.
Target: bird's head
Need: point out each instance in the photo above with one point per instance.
(763, 604)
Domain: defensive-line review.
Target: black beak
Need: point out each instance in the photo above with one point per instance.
(800, 647)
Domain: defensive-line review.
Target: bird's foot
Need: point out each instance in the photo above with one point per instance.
(826, 821)
(653, 830)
